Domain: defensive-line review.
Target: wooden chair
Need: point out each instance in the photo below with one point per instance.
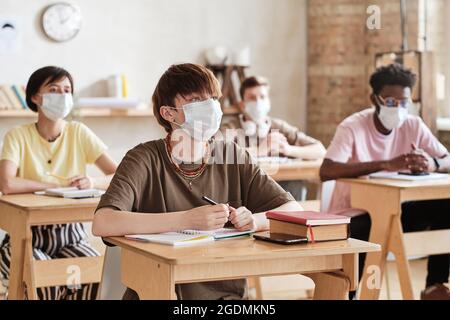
(55, 272)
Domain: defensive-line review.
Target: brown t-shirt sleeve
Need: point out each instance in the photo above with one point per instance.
(261, 192)
(126, 187)
(293, 135)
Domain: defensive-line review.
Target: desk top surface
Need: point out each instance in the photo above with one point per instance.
(402, 184)
(292, 164)
(241, 249)
(32, 201)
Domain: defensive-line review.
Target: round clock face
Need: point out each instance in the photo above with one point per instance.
(61, 21)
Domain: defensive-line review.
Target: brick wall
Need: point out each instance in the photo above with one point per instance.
(341, 54)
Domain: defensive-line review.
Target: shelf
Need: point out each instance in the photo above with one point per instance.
(83, 112)
(17, 114)
(108, 112)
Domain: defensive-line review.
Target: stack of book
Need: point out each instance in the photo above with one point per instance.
(313, 225)
(12, 97)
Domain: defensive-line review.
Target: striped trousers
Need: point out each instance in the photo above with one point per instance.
(53, 242)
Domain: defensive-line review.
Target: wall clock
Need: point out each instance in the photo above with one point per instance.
(61, 21)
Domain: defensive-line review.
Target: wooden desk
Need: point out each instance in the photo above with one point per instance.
(382, 199)
(18, 213)
(152, 270)
(294, 170)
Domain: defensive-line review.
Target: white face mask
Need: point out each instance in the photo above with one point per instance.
(392, 117)
(56, 106)
(202, 119)
(258, 110)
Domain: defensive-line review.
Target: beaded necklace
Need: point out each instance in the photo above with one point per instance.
(189, 176)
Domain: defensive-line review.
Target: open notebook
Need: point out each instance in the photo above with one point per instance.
(189, 237)
(71, 192)
(399, 176)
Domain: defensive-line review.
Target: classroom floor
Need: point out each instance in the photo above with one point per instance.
(281, 288)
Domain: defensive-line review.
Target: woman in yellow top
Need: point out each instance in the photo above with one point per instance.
(52, 153)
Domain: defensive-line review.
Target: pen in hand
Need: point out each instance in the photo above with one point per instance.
(210, 201)
(214, 203)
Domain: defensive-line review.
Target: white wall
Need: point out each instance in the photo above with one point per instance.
(141, 38)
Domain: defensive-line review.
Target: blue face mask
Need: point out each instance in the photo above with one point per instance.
(202, 119)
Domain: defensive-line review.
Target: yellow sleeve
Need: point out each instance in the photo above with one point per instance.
(93, 147)
(11, 148)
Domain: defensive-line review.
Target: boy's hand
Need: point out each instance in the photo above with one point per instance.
(413, 162)
(207, 217)
(242, 219)
(430, 161)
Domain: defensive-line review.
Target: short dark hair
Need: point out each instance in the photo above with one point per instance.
(182, 79)
(252, 82)
(392, 75)
(41, 77)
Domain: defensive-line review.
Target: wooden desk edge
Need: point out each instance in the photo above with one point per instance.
(118, 241)
(4, 201)
(391, 183)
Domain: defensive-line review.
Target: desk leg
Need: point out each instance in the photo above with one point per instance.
(28, 272)
(255, 283)
(375, 261)
(16, 290)
(152, 280)
(397, 246)
(350, 269)
(382, 204)
(330, 286)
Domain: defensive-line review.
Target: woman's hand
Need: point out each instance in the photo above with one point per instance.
(81, 182)
(242, 219)
(207, 217)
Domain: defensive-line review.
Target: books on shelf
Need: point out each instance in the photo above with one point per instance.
(4, 101)
(12, 97)
(117, 86)
(20, 94)
(71, 192)
(315, 226)
(189, 237)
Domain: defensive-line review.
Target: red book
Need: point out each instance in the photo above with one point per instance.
(308, 218)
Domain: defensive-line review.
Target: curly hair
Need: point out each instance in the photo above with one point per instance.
(392, 75)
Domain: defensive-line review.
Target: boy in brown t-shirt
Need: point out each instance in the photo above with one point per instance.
(159, 185)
